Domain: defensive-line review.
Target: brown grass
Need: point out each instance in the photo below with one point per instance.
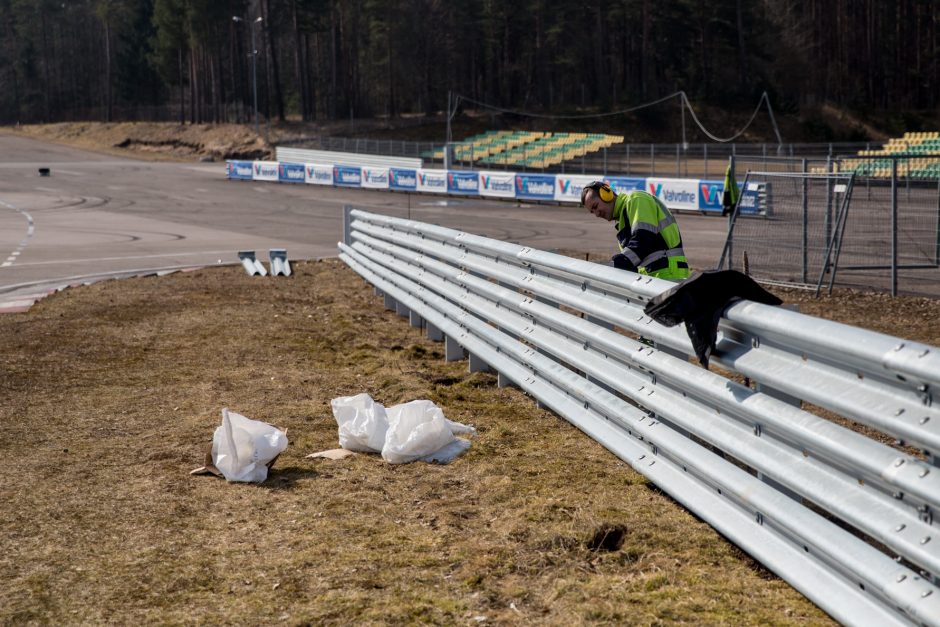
(110, 393)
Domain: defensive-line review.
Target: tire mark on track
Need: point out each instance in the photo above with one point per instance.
(30, 229)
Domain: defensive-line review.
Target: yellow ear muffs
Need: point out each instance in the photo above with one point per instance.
(603, 190)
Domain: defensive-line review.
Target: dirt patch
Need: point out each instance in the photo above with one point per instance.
(110, 392)
(157, 140)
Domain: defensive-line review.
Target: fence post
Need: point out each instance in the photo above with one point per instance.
(605, 160)
(705, 155)
(936, 255)
(828, 216)
(678, 165)
(894, 227)
(804, 242)
(652, 159)
(629, 171)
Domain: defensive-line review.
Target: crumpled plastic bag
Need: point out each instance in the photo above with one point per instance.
(362, 423)
(243, 449)
(402, 433)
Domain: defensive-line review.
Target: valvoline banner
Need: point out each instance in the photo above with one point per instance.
(498, 184)
(675, 193)
(625, 183)
(568, 186)
(402, 179)
(535, 186)
(290, 172)
(238, 170)
(709, 195)
(319, 174)
(432, 181)
(264, 170)
(374, 178)
(463, 182)
(347, 175)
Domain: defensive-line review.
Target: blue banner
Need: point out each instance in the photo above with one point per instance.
(535, 186)
(238, 170)
(347, 176)
(624, 183)
(402, 179)
(290, 173)
(710, 194)
(463, 183)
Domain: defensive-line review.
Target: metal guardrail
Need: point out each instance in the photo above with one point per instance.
(302, 155)
(844, 518)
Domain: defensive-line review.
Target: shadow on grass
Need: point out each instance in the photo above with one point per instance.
(288, 477)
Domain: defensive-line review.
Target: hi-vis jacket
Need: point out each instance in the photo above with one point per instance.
(649, 236)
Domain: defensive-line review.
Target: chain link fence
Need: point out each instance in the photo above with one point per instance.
(879, 233)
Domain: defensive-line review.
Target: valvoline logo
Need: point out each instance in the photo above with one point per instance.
(563, 185)
(432, 181)
(672, 196)
(709, 193)
(497, 185)
(257, 168)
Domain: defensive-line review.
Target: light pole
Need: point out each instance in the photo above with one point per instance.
(254, 65)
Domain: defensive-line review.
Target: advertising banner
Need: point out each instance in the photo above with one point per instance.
(402, 179)
(347, 175)
(374, 178)
(264, 170)
(675, 193)
(238, 170)
(463, 182)
(432, 181)
(535, 186)
(318, 174)
(754, 197)
(290, 172)
(498, 184)
(709, 195)
(568, 186)
(625, 183)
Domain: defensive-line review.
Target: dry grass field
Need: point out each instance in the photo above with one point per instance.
(109, 395)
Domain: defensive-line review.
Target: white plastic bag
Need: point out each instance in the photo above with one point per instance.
(243, 448)
(362, 423)
(419, 431)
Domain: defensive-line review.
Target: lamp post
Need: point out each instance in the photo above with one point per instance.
(254, 65)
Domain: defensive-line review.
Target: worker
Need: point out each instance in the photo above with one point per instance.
(648, 234)
(730, 194)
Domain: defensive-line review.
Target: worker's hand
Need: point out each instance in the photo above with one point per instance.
(622, 263)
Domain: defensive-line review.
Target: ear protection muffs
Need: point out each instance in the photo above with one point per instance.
(604, 192)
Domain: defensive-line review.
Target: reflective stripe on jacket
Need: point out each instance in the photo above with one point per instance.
(649, 236)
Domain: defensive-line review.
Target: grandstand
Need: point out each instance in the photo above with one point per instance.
(529, 149)
(917, 156)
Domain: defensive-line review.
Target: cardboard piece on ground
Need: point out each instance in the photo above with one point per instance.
(335, 453)
(210, 469)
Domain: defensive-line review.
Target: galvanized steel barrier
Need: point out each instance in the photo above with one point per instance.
(846, 519)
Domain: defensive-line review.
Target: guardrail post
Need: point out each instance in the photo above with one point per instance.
(347, 225)
(478, 365)
(434, 334)
(390, 303)
(415, 319)
(453, 351)
(401, 309)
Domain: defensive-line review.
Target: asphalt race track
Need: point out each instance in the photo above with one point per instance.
(98, 216)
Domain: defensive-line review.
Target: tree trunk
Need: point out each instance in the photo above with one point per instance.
(272, 61)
